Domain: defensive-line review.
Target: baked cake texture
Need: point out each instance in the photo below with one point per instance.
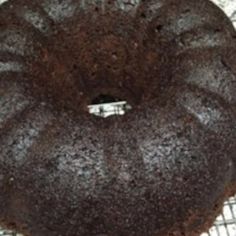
(162, 169)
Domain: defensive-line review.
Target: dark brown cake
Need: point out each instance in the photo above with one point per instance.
(164, 168)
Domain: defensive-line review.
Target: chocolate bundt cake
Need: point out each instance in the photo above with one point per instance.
(166, 166)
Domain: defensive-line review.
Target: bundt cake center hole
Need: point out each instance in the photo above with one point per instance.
(105, 98)
(105, 105)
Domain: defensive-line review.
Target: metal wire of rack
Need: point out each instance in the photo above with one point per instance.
(8, 233)
(225, 224)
